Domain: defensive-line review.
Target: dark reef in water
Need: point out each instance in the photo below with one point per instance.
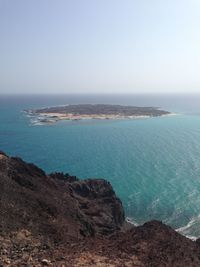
(59, 220)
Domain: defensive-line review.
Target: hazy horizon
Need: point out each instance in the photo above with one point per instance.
(92, 47)
(162, 93)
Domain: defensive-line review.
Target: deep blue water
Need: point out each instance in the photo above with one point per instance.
(153, 164)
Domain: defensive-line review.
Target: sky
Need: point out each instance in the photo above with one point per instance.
(99, 46)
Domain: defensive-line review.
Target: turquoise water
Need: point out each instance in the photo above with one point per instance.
(153, 164)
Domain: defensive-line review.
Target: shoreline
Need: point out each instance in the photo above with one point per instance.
(71, 230)
(52, 115)
(52, 118)
(55, 117)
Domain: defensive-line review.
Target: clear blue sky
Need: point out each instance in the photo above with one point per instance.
(80, 46)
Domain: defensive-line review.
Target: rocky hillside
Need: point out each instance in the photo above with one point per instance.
(58, 220)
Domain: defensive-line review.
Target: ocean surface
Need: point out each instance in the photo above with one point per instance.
(153, 164)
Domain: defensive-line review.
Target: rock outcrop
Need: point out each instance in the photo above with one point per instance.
(59, 220)
(55, 206)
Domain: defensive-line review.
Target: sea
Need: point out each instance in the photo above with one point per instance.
(153, 164)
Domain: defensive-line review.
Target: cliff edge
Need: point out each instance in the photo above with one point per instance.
(59, 220)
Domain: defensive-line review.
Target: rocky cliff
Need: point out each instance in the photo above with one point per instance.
(58, 220)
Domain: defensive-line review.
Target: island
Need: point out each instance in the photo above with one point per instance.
(93, 111)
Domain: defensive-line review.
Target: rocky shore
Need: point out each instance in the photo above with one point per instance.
(59, 220)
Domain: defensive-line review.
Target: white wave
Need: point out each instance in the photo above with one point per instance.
(130, 220)
(28, 115)
(187, 226)
(37, 123)
(171, 114)
(193, 238)
(191, 225)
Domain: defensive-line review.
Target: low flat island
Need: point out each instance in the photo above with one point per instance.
(94, 111)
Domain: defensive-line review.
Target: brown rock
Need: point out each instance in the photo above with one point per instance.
(45, 262)
(72, 223)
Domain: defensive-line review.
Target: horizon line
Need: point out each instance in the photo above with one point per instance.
(105, 93)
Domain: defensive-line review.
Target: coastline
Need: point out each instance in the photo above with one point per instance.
(52, 118)
(80, 223)
(78, 112)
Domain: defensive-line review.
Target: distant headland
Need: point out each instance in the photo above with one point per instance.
(94, 111)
